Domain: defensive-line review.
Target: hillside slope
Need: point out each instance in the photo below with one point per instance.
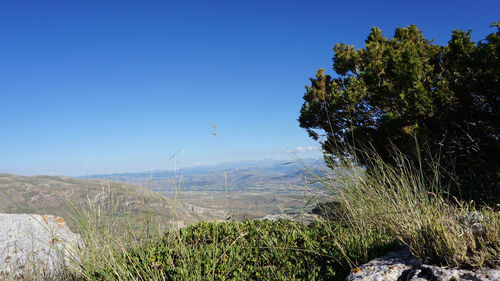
(61, 196)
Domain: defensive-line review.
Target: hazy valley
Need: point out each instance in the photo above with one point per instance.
(233, 190)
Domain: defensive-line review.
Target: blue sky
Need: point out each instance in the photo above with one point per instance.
(115, 86)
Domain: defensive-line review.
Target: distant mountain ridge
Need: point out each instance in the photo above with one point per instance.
(236, 174)
(229, 165)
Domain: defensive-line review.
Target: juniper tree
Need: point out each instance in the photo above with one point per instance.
(395, 91)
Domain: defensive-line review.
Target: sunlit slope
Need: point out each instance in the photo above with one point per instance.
(61, 196)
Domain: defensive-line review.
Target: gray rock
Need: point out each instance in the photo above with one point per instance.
(389, 267)
(401, 265)
(35, 246)
(303, 218)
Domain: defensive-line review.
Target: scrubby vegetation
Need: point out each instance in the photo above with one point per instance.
(375, 212)
(248, 250)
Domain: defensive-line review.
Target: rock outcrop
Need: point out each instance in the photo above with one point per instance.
(36, 246)
(401, 265)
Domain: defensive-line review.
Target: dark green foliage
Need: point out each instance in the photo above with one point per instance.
(398, 90)
(251, 250)
(331, 210)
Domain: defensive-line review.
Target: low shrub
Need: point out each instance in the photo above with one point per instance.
(249, 250)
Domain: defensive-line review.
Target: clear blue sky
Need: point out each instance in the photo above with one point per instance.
(120, 86)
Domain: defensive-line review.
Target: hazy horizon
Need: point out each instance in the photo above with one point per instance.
(176, 167)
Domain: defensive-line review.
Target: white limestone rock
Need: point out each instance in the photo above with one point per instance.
(38, 246)
(388, 267)
(401, 265)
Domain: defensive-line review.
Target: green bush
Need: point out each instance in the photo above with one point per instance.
(249, 250)
(396, 90)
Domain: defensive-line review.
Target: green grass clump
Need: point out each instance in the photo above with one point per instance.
(400, 201)
(248, 250)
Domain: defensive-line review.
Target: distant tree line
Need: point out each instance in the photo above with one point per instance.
(406, 92)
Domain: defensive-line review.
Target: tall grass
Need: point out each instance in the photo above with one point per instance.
(113, 232)
(399, 200)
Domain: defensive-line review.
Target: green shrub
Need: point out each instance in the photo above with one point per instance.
(249, 250)
(392, 91)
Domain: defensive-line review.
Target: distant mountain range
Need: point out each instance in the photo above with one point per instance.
(234, 175)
